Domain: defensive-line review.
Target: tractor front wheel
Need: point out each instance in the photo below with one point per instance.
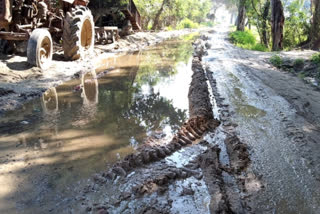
(40, 48)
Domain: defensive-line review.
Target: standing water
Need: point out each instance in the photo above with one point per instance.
(85, 125)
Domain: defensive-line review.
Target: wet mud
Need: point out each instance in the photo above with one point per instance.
(245, 147)
(169, 176)
(275, 119)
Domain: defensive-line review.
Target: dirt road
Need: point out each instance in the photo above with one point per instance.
(277, 116)
(263, 158)
(249, 144)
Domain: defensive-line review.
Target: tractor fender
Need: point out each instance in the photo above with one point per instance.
(77, 2)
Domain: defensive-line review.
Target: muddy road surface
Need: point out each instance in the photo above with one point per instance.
(180, 128)
(277, 117)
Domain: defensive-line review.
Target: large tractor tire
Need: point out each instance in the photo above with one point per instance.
(40, 48)
(78, 33)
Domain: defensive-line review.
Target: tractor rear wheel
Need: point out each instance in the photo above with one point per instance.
(39, 50)
(78, 33)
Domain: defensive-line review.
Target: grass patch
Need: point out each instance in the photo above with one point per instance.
(243, 37)
(187, 23)
(276, 61)
(190, 37)
(298, 63)
(315, 58)
(207, 24)
(259, 47)
(247, 40)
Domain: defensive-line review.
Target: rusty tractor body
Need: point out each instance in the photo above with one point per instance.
(40, 21)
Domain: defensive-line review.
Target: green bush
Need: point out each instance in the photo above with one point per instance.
(187, 23)
(276, 60)
(298, 63)
(243, 37)
(315, 58)
(208, 24)
(259, 47)
(169, 28)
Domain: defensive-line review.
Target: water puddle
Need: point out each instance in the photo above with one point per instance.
(88, 123)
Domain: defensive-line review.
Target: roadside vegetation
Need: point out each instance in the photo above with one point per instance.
(306, 69)
(247, 40)
(280, 24)
(174, 14)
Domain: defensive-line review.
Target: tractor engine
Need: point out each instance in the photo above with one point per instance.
(21, 12)
(29, 11)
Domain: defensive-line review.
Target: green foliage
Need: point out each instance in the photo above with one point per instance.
(276, 60)
(315, 58)
(207, 24)
(297, 24)
(259, 47)
(190, 37)
(243, 37)
(174, 12)
(169, 28)
(247, 40)
(187, 23)
(298, 63)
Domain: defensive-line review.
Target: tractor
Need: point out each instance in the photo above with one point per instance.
(41, 21)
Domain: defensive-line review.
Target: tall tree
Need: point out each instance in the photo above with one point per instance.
(260, 15)
(157, 18)
(277, 23)
(241, 15)
(264, 28)
(315, 28)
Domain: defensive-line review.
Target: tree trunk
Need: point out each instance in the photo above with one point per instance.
(316, 26)
(277, 23)
(157, 17)
(241, 15)
(264, 27)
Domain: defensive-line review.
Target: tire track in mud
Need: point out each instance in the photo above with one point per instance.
(294, 133)
(238, 154)
(143, 182)
(277, 140)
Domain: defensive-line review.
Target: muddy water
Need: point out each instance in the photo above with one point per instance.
(263, 119)
(82, 126)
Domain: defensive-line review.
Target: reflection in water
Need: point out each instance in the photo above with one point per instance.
(89, 85)
(78, 127)
(50, 101)
(90, 95)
